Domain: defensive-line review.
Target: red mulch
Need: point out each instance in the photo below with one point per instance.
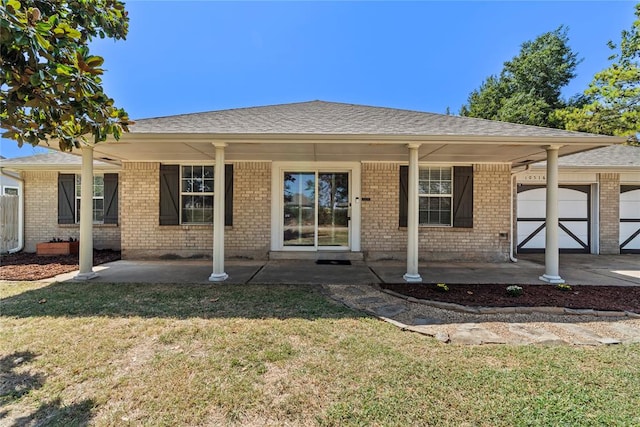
(616, 298)
(29, 266)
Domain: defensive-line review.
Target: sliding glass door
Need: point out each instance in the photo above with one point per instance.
(316, 210)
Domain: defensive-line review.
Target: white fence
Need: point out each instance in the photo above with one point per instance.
(8, 222)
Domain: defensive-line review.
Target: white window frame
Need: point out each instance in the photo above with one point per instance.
(196, 193)
(76, 206)
(277, 201)
(437, 195)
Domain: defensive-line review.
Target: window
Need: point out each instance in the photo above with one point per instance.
(186, 194)
(196, 194)
(445, 196)
(436, 192)
(98, 198)
(105, 198)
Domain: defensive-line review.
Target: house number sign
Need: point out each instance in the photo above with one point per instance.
(534, 178)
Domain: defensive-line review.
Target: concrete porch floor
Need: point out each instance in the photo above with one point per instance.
(619, 270)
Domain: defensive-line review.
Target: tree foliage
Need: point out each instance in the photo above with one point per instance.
(50, 84)
(612, 104)
(528, 89)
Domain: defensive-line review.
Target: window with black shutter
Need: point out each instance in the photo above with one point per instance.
(445, 196)
(104, 200)
(186, 194)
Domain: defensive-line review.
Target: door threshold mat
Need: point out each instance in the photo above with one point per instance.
(333, 262)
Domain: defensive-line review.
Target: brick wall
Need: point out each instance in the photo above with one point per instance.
(41, 215)
(609, 213)
(143, 237)
(250, 236)
(383, 239)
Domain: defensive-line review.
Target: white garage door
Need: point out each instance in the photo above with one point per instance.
(630, 219)
(574, 234)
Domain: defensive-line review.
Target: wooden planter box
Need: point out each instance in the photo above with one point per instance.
(57, 248)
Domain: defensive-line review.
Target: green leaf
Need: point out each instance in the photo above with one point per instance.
(44, 43)
(14, 4)
(35, 79)
(64, 70)
(94, 61)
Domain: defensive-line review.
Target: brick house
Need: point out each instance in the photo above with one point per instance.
(312, 179)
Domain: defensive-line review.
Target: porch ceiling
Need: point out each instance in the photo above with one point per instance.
(189, 149)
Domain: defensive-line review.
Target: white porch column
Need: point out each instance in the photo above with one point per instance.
(551, 252)
(86, 216)
(412, 274)
(218, 274)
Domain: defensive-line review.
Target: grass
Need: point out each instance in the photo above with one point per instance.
(107, 354)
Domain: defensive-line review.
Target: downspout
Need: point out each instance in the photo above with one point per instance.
(20, 210)
(512, 257)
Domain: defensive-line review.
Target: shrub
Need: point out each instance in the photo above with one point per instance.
(514, 291)
(442, 287)
(563, 287)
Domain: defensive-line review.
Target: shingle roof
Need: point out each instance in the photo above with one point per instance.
(611, 156)
(332, 118)
(55, 159)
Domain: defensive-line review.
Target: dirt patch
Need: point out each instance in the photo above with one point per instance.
(618, 298)
(29, 266)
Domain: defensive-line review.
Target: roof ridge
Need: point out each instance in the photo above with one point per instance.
(230, 109)
(318, 101)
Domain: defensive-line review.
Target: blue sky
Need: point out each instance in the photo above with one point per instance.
(183, 57)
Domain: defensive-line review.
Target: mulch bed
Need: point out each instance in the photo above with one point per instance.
(29, 266)
(616, 298)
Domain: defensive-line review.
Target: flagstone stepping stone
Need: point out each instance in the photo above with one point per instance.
(534, 334)
(390, 310)
(585, 336)
(353, 290)
(369, 300)
(473, 334)
(426, 321)
(630, 333)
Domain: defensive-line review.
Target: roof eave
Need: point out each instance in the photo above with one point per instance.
(368, 138)
(56, 167)
(588, 168)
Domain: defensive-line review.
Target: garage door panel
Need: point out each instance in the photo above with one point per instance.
(577, 229)
(572, 208)
(531, 209)
(525, 229)
(573, 213)
(630, 219)
(630, 204)
(571, 194)
(627, 229)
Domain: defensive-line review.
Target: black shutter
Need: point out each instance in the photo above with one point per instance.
(66, 199)
(110, 198)
(169, 194)
(404, 195)
(228, 195)
(463, 196)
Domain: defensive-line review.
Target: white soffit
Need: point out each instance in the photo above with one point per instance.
(190, 150)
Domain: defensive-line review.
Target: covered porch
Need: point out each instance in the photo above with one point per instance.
(309, 139)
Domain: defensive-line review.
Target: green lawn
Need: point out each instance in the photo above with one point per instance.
(108, 354)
